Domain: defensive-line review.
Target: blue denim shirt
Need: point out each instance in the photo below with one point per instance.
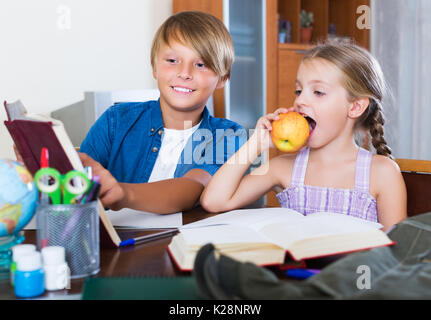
(127, 137)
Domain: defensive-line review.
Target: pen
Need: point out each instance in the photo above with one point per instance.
(92, 192)
(301, 273)
(89, 172)
(96, 192)
(150, 237)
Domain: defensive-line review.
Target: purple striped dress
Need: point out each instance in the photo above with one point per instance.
(356, 202)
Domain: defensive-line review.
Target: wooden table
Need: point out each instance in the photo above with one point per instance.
(147, 259)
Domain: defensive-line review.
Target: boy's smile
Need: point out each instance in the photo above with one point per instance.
(183, 90)
(185, 82)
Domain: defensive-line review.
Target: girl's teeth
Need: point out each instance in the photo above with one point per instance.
(182, 89)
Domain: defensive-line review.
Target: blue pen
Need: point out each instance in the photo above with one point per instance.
(150, 237)
(301, 273)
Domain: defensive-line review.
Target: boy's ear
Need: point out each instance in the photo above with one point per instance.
(221, 82)
(154, 74)
(358, 107)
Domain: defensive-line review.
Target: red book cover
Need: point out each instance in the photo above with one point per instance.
(30, 137)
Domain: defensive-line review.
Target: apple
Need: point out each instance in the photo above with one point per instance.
(290, 132)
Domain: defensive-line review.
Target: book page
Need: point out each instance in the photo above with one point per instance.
(15, 110)
(252, 218)
(339, 243)
(135, 219)
(316, 225)
(223, 236)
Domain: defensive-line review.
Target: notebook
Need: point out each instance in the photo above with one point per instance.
(140, 288)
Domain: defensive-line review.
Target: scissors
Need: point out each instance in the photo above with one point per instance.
(71, 185)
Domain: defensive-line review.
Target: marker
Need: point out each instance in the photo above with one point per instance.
(301, 273)
(44, 158)
(150, 237)
(44, 163)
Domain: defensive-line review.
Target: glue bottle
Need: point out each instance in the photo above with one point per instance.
(29, 276)
(57, 273)
(17, 252)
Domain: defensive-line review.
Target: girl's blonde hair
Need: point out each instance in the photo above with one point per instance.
(202, 32)
(362, 77)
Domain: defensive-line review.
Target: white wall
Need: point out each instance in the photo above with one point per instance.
(52, 51)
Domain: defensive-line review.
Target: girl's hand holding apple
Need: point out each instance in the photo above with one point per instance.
(262, 133)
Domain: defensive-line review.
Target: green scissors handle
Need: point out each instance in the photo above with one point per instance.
(71, 185)
(71, 188)
(42, 179)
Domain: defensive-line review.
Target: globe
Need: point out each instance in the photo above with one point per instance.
(18, 197)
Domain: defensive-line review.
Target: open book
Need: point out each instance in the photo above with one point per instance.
(264, 236)
(32, 132)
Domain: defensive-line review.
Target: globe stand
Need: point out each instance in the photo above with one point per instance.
(6, 253)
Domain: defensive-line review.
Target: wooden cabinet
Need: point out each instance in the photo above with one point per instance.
(283, 59)
(215, 7)
(340, 13)
(343, 14)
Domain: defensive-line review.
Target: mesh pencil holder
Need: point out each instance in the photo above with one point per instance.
(74, 227)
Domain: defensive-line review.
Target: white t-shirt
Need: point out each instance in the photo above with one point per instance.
(173, 143)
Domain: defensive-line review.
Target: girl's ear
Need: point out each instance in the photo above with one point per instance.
(358, 107)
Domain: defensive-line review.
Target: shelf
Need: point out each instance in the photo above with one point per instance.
(294, 46)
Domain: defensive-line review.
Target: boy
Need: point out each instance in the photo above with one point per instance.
(151, 156)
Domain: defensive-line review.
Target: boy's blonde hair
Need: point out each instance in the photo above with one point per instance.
(362, 78)
(204, 33)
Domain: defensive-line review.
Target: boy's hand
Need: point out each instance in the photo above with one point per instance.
(111, 191)
(264, 127)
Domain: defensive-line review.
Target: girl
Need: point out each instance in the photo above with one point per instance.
(339, 89)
